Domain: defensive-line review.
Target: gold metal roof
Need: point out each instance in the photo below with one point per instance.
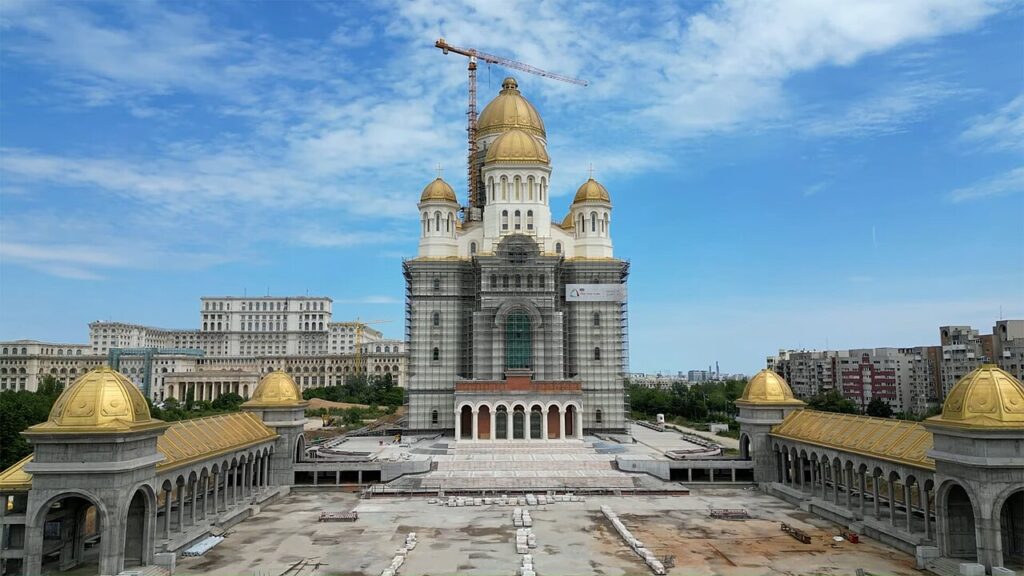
(986, 398)
(187, 441)
(592, 190)
(767, 387)
(276, 389)
(897, 441)
(101, 400)
(508, 111)
(518, 147)
(183, 443)
(15, 478)
(567, 223)
(438, 190)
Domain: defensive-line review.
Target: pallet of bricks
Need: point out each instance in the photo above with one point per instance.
(796, 533)
(729, 514)
(339, 516)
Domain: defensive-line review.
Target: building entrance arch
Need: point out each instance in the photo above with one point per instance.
(535, 422)
(466, 422)
(501, 423)
(484, 423)
(67, 524)
(138, 536)
(570, 421)
(1011, 531)
(961, 539)
(518, 423)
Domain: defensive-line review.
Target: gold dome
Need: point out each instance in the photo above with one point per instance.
(439, 190)
(767, 387)
(517, 147)
(568, 223)
(276, 389)
(986, 398)
(508, 111)
(101, 400)
(592, 190)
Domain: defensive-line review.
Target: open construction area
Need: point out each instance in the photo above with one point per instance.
(568, 537)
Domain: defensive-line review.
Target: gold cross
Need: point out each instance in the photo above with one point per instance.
(439, 170)
(591, 170)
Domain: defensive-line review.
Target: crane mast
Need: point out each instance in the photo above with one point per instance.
(475, 56)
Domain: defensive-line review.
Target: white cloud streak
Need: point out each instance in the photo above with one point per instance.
(1005, 184)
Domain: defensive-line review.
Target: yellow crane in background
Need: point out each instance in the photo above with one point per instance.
(360, 325)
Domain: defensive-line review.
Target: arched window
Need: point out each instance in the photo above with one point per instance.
(437, 221)
(472, 247)
(377, 350)
(543, 187)
(540, 281)
(436, 354)
(321, 325)
(518, 340)
(593, 221)
(582, 226)
(504, 219)
(448, 225)
(433, 417)
(504, 281)
(494, 281)
(436, 320)
(604, 225)
(597, 416)
(597, 318)
(519, 220)
(529, 219)
(519, 187)
(529, 280)
(529, 188)
(437, 284)
(490, 187)
(558, 247)
(504, 188)
(597, 353)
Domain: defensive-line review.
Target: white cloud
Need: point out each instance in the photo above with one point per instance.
(1005, 184)
(889, 112)
(1002, 129)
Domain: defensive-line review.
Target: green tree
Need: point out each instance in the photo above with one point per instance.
(878, 407)
(833, 401)
(50, 387)
(18, 411)
(229, 402)
(190, 399)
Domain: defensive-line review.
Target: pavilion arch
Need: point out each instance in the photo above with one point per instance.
(139, 521)
(745, 446)
(88, 500)
(1008, 513)
(957, 514)
(300, 448)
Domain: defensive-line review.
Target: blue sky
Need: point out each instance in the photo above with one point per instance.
(784, 174)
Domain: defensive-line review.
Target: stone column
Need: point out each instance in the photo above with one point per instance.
(892, 502)
(874, 495)
(494, 425)
(458, 425)
(476, 424)
(234, 485)
(266, 472)
(526, 423)
(578, 421)
(544, 425)
(848, 481)
(925, 507)
(814, 477)
(167, 514)
(863, 488)
(837, 474)
(216, 490)
(909, 508)
(181, 508)
(508, 426)
(561, 424)
(192, 509)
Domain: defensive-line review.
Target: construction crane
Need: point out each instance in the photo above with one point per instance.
(474, 55)
(360, 325)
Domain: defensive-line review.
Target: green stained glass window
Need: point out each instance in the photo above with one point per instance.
(518, 341)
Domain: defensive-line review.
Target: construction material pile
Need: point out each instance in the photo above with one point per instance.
(505, 500)
(525, 540)
(652, 561)
(527, 567)
(203, 546)
(400, 554)
(521, 518)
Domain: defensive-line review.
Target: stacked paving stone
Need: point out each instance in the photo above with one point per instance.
(527, 567)
(521, 518)
(652, 561)
(505, 500)
(400, 554)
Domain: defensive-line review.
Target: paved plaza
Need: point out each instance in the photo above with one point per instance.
(572, 538)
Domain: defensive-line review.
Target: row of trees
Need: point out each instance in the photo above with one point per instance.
(171, 410)
(361, 389)
(704, 402)
(18, 411)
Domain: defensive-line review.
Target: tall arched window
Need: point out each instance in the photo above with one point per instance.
(593, 221)
(529, 280)
(519, 281)
(472, 247)
(436, 354)
(529, 219)
(494, 281)
(540, 281)
(437, 284)
(433, 417)
(519, 188)
(436, 320)
(519, 220)
(504, 281)
(582, 226)
(504, 219)
(504, 188)
(558, 247)
(597, 353)
(448, 225)
(604, 225)
(597, 416)
(437, 221)
(490, 187)
(597, 318)
(518, 340)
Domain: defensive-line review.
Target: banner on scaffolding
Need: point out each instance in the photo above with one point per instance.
(595, 292)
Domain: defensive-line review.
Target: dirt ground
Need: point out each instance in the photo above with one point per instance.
(573, 538)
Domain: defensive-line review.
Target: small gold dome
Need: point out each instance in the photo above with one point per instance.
(568, 223)
(518, 147)
(986, 398)
(101, 400)
(276, 389)
(767, 387)
(592, 190)
(508, 111)
(439, 190)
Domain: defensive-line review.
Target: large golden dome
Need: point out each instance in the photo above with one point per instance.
(101, 400)
(986, 398)
(518, 147)
(438, 190)
(276, 389)
(509, 110)
(592, 190)
(767, 387)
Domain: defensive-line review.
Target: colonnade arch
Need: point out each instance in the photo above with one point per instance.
(513, 420)
(64, 523)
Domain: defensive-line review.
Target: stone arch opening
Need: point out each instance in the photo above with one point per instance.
(744, 447)
(519, 422)
(536, 413)
(68, 523)
(483, 420)
(466, 422)
(554, 417)
(1011, 531)
(300, 448)
(570, 421)
(501, 423)
(137, 535)
(961, 540)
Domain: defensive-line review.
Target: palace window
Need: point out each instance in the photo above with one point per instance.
(597, 353)
(437, 319)
(436, 354)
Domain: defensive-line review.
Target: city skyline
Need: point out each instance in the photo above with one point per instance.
(857, 195)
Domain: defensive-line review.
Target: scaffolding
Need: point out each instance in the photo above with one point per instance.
(482, 318)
